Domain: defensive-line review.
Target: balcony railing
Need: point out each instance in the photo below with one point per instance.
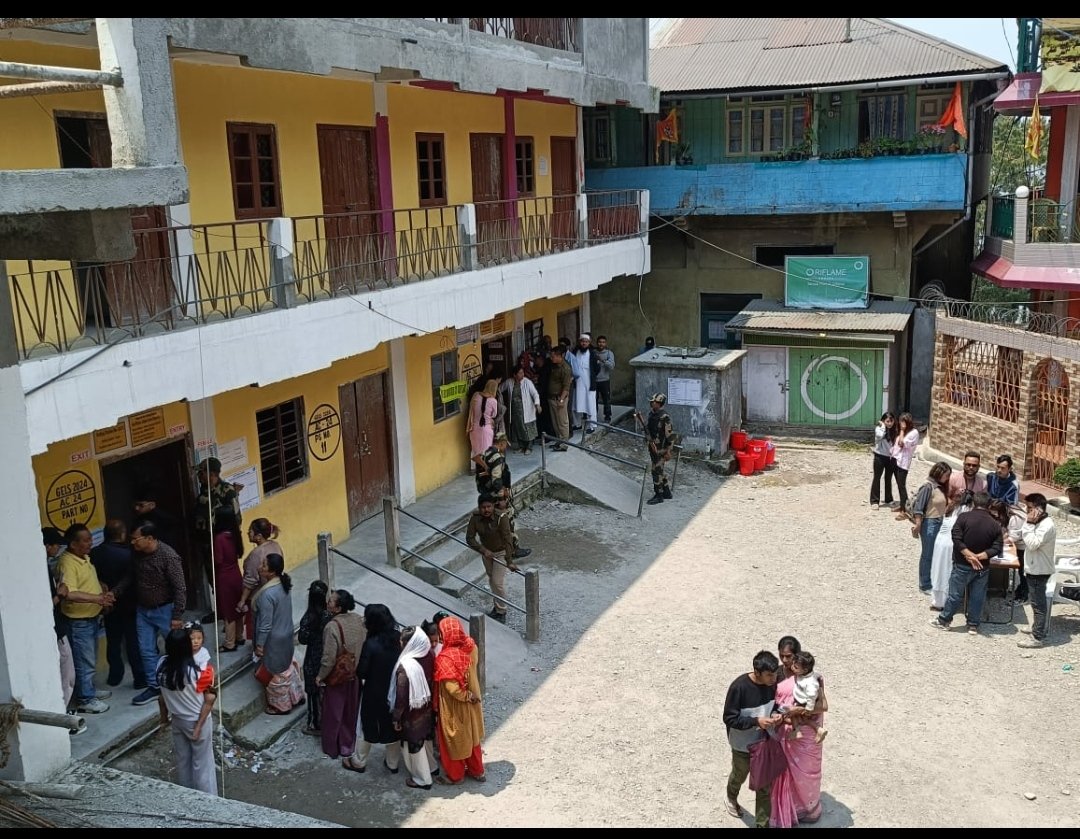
(190, 275)
(560, 33)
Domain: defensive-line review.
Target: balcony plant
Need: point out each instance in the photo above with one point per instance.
(865, 149)
(931, 138)
(1068, 476)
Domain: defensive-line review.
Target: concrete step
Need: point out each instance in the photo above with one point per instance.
(578, 477)
(243, 699)
(473, 571)
(445, 556)
(266, 729)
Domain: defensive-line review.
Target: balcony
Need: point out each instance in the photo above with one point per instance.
(1031, 243)
(853, 185)
(186, 276)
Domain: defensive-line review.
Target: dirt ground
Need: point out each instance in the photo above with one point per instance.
(615, 718)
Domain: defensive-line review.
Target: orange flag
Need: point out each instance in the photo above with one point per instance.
(667, 131)
(954, 113)
(1033, 141)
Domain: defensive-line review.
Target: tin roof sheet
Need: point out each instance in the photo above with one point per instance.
(736, 54)
(772, 315)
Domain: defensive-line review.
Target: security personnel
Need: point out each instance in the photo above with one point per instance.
(661, 437)
(493, 478)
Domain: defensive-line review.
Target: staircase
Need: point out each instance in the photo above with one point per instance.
(243, 703)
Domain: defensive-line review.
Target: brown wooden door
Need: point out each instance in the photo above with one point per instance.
(564, 190)
(487, 186)
(125, 294)
(350, 193)
(365, 435)
(499, 352)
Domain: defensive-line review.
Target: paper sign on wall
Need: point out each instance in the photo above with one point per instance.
(233, 454)
(684, 391)
(249, 489)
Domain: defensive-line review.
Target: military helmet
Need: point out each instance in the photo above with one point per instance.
(658, 397)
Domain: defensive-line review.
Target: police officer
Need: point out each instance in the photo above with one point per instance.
(493, 478)
(661, 438)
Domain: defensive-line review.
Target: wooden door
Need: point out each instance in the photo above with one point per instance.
(499, 352)
(350, 193)
(569, 325)
(564, 192)
(120, 294)
(765, 374)
(366, 442)
(492, 227)
(1051, 421)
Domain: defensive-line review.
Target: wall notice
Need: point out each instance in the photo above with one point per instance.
(247, 487)
(684, 391)
(233, 454)
(71, 498)
(111, 439)
(147, 427)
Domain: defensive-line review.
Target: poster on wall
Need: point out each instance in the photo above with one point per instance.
(233, 454)
(827, 282)
(147, 427)
(112, 439)
(684, 391)
(247, 487)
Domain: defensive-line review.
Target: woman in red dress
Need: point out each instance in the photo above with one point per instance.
(228, 582)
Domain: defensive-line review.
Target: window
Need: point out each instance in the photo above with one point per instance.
(523, 162)
(282, 454)
(799, 116)
(431, 169)
(931, 102)
(983, 377)
(736, 141)
(882, 116)
(444, 371)
(767, 125)
(598, 137)
(254, 164)
(534, 331)
(773, 257)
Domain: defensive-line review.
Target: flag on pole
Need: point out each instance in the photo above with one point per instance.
(954, 113)
(1033, 141)
(667, 131)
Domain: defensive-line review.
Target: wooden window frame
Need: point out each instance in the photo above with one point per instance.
(863, 102)
(741, 111)
(425, 169)
(525, 158)
(441, 412)
(593, 151)
(281, 477)
(533, 332)
(766, 105)
(254, 130)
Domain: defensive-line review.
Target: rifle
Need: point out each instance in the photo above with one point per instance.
(645, 428)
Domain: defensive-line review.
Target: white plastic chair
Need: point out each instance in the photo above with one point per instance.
(1064, 572)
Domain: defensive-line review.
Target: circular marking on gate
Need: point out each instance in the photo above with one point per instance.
(829, 415)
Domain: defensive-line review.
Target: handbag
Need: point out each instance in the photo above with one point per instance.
(767, 762)
(344, 665)
(263, 675)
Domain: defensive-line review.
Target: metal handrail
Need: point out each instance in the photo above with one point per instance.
(462, 579)
(631, 433)
(678, 447)
(457, 539)
(375, 571)
(543, 464)
(559, 440)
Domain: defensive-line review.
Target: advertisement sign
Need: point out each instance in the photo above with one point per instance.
(827, 282)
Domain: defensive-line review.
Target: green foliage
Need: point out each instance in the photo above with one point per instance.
(984, 291)
(1068, 473)
(1011, 166)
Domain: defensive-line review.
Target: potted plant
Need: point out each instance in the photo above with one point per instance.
(931, 138)
(1068, 476)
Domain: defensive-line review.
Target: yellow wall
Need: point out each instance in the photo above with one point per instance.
(542, 121)
(440, 449)
(318, 502)
(56, 469)
(209, 96)
(549, 310)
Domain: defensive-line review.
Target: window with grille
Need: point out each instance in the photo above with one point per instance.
(534, 331)
(282, 455)
(444, 370)
(523, 162)
(431, 167)
(983, 377)
(253, 161)
(597, 129)
(736, 142)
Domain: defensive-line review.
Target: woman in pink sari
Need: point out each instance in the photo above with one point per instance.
(483, 409)
(796, 794)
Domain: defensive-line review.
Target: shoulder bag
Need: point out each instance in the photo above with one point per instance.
(344, 665)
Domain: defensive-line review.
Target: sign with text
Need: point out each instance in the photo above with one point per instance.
(111, 439)
(324, 432)
(147, 427)
(247, 487)
(683, 391)
(826, 282)
(453, 391)
(71, 498)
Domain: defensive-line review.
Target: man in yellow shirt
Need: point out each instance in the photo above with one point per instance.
(82, 607)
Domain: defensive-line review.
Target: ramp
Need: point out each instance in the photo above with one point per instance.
(587, 478)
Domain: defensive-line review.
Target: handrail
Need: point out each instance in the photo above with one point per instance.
(559, 440)
(457, 539)
(375, 571)
(676, 446)
(458, 577)
(631, 433)
(543, 464)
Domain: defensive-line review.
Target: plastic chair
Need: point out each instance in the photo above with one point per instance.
(1064, 572)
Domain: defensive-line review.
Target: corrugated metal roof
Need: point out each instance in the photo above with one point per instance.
(880, 316)
(738, 54)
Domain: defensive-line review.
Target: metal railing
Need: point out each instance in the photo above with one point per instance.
(544, 438)
(524, 228)
(560, 33)
(457, 539)
(459, 578)
(613, 214)
(1002, 216)
(678, 448)
(1023, 317)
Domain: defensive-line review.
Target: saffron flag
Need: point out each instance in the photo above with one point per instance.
(954, 114)
(667, 131)
(1033, 141)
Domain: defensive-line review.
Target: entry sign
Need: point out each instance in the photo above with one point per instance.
(827, 282)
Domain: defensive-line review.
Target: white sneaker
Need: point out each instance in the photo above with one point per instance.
(94, 706)
(1025, 630)
(1030, 643)
(875, 506)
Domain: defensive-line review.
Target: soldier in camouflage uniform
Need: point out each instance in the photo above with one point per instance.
(661, 437)
(493, 478)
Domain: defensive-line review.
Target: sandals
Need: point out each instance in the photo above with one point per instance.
(225, 649)
(409, 782)
(346, 763)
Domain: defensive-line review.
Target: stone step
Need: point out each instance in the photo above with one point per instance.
(264, 730)
(447, 555)
(473, 571)
(243, 699)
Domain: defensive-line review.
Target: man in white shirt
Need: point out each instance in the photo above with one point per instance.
(1040, 542)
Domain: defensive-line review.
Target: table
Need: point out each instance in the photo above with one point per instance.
(1011, 563)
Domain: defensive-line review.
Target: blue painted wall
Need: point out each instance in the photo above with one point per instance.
(856, 185)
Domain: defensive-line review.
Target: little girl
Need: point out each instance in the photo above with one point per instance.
(806, 693)
(201, 654)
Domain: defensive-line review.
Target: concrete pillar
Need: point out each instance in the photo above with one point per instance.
(142, 113)
(392, 529)
(185, 269)
(29, 661)
(532, 605)
(582, 204)
(326, 559)
(1070, 171)
(466, 219)
(1020, 215)
(402, 424)
(477, 631)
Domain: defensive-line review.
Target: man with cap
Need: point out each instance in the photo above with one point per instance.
(146, 509)
(661, 437)
(493, 478)
(214, 494)
(586, 366)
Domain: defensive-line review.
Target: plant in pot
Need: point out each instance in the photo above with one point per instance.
(1068, 476)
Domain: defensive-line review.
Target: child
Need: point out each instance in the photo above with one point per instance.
(807, 690)
(310, 635)
(201, 654)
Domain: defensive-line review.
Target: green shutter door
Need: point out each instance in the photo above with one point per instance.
(840, 386)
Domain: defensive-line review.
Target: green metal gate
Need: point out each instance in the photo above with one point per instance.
(835, 386)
